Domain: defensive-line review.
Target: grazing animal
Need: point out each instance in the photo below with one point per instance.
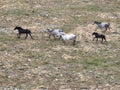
(54, 32)
(99, 36)
(102, 25)
(23, 31)
(65, 37)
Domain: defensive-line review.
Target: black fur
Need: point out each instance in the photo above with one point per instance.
(99, 36)
(23, 31)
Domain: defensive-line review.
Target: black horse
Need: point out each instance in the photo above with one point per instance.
(99, 36)
(23, 31)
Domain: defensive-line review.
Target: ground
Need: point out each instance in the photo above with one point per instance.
(48, 64)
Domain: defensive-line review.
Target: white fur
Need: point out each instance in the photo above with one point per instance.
(52, 32)
(56, 31)
(68, 37)
(65, 37)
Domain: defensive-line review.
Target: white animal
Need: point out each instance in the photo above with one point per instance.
(65, 37)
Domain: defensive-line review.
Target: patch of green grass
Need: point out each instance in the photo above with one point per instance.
(19, 12)
(8, 38)
(94, 8)
(94, 63)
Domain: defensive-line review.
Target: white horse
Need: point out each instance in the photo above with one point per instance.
(65, 37)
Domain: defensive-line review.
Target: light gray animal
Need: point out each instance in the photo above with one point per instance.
(54, 32)
(102, 25)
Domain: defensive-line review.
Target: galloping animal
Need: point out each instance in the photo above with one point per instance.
(54, 32)
(65, 37)
(23, 31)
(99, 36)
(102, 25)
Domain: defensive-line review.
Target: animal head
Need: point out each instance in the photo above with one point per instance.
(60, 30)
(96, 22)
(61, 33)
(49, 30)
(46, 30)
(94, 33)
(16, 27)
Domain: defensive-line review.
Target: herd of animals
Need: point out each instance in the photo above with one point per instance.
(65, 36)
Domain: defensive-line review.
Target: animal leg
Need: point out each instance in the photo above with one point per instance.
(96, 39)
(49, 36)
(105, 39)
(74, 42)
(30, 35)
(26, 36)
(63, 41)
(18, 35)
(93, 38)
(60, 37)
(102, 40)
(54, 37)
(109, 28)
(105, 29)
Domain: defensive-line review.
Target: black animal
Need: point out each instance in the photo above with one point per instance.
(99, 36)
(102, 25)
(23, 31)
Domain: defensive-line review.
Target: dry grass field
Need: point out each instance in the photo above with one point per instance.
(48, 64)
